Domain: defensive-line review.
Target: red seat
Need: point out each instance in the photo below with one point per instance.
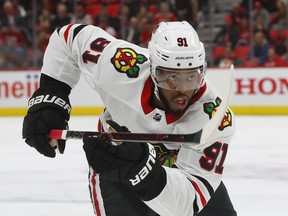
(283, 35)
(242, 52)
(274, 35)
(91, 2)
(250, 63)
(218, 52)
(93, 10)
(272, 18)
(110, 2)
(113, 9)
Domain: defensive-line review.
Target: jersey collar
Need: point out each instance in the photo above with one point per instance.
(147, 94)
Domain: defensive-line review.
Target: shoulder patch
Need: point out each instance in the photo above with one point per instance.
(211, 107)
(125, 60)
(226, 121)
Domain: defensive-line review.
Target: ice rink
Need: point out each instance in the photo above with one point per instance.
(256, 171)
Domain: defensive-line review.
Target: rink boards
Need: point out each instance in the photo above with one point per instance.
(256, 91)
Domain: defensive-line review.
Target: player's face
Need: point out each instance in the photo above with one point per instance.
(175, 101)
(176, 87)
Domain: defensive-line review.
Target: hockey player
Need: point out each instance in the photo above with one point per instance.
(161, 89)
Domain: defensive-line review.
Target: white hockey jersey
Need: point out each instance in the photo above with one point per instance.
(119, 72)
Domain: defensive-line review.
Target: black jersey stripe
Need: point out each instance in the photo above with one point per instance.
(207, 185)
(195, 206)
(58, 30)
(204, 181)
(77, 30)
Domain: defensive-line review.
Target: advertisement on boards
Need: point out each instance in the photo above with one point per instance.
(255, 91)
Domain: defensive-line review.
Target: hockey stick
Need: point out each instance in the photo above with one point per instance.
(195, 138)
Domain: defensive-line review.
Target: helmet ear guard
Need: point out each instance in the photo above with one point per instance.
(176, 45)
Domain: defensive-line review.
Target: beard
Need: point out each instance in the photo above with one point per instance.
(167, 105)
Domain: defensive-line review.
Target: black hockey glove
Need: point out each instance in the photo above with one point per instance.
(134, 164)
(48, 108)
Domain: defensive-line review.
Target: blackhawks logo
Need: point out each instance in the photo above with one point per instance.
(210, 108)
(125, 60)
(167, 157)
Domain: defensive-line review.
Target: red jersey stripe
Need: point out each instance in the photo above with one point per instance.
(66, 33)
(202, 198)
(96, 203)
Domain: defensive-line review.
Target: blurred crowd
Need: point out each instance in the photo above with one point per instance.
(27, 25)
(258, 38)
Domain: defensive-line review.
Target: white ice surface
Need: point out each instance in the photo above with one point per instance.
(256, 171)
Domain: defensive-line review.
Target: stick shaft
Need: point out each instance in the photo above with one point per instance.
(128, 137)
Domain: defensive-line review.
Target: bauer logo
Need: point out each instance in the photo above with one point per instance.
(147, 167)
(126, 60)
(15, 85)
(50, 100)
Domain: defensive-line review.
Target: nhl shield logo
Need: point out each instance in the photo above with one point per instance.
(157, 117)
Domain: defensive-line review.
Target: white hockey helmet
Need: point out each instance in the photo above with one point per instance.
(175, 48)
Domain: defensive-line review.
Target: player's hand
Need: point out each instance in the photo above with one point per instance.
(134, 164)
(36, 127)
(49, 108)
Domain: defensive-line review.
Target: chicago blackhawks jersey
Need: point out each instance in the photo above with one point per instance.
(120, 73)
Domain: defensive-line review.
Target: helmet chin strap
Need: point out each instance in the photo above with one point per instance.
(156, 92)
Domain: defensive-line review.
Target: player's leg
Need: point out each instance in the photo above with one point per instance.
(219, 204)
(115, 199)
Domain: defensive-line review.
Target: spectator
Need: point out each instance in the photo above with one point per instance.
(34, 58)
(260, 27)
(132, 34)
(227, 34)
(270, 6)
(49, 5)
(260, 48)
(273, 60)
(45, 19)
(43, 35)
(281, 47)
(237, 13)
(19, 8)
(4, 61)
(280, 21)
(227, 59)
(12, 32)
(104, 24)
(186, 10)
(103, 15)
(164, 14)
(260, 13)
(62, 18)
(145, 33)
(143, 13)
(243, 32)
(10, 17)
(125, 15)
(15, 51)
(80, 16)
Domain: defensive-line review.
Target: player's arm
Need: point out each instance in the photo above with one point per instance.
(49, 107)
(74, 50)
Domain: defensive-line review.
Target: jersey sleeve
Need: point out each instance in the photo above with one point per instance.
(71, 49)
